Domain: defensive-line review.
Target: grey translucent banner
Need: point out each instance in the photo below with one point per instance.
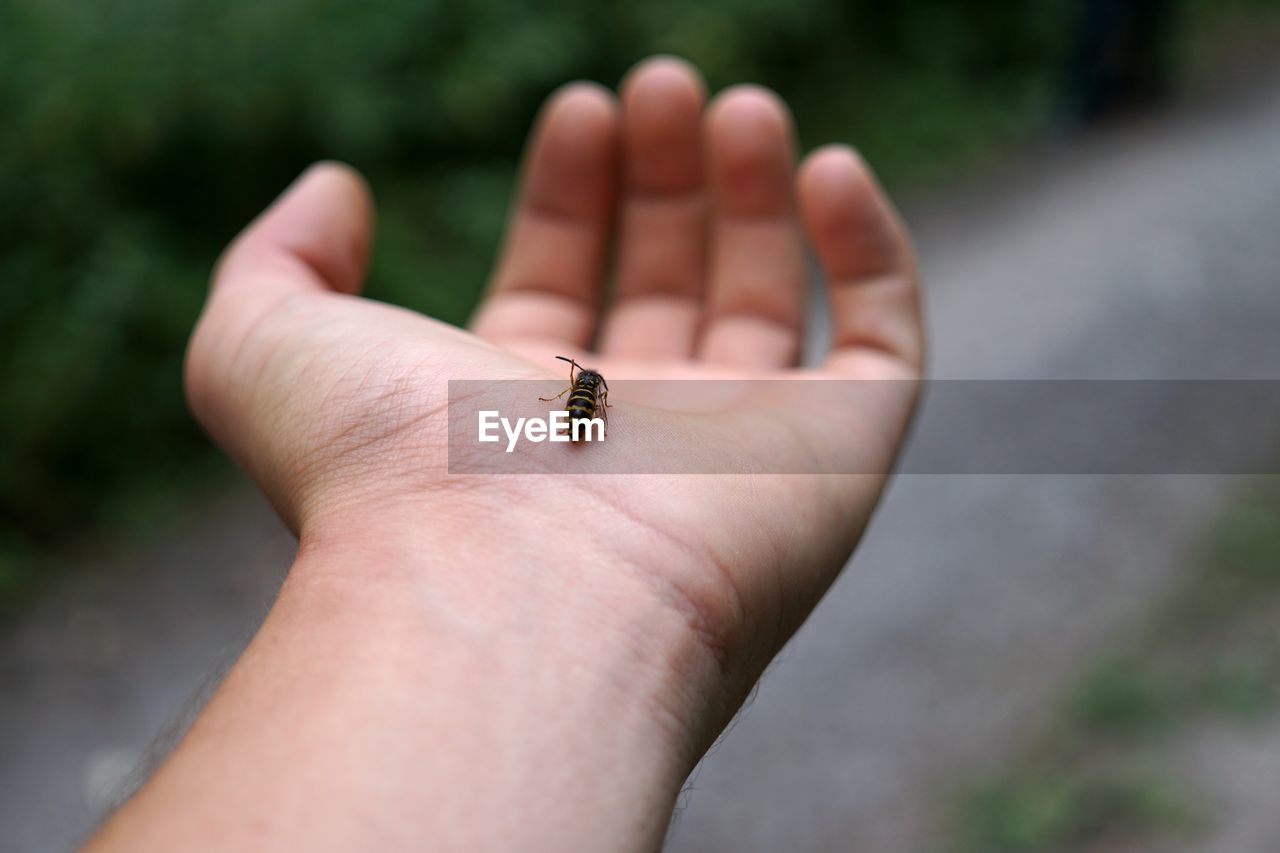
(811, 426)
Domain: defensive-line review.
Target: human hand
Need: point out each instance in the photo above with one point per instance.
(680, 587)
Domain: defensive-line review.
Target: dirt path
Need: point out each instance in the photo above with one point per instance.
(1149, 253)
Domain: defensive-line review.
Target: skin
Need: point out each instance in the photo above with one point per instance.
(535, 662)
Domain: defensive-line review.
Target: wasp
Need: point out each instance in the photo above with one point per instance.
(588, 394)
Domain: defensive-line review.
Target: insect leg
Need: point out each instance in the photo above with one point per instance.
(556, 397)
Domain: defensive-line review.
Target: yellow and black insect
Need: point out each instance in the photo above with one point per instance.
(588, 394)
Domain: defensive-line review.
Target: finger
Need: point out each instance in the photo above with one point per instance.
(547, 282)
(316, 236)
(661, 247)
(757, 269)
(866, 257)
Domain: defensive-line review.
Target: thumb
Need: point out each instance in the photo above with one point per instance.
(316, 236)
(313, 240)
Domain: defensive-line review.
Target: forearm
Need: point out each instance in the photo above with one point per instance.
(395, 702)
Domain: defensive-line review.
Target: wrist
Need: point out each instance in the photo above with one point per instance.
(531, 553)
(558, 667)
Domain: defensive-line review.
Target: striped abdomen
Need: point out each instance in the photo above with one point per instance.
(582, 403)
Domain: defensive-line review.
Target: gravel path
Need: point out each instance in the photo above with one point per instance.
(1148, 253)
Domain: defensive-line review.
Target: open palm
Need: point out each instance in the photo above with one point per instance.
(336, 404)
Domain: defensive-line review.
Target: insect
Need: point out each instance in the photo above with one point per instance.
(588, 394)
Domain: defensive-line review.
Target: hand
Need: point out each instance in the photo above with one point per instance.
(675, 589)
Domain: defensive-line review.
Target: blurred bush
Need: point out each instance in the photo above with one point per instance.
(138, 136)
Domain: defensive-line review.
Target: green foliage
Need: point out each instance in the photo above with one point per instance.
(1243, 560)
(1140, 696)
(1121, 698)
(139, 136)
(1067, 812)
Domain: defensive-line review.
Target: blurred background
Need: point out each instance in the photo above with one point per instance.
(1013, 663)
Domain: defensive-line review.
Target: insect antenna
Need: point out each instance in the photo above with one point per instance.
(572, 364)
